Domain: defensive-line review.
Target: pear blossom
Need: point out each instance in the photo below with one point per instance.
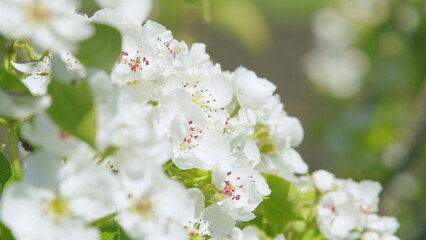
(323, 180)
(241, 188)
(46, 135)
(51, 25)
(152, 206)
(60, 205)
(337, 216)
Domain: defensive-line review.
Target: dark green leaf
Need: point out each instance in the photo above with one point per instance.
(102, 50)
(72, 109)
(5, 233)
(11, 83)
(5, 170)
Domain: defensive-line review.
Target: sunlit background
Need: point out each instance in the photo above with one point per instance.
(352, 71)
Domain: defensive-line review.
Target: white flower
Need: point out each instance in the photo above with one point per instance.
(240, 188)
(44, 133)
(118, 12)
(39, 77)
(380, 224)
(289, 133)
(370, 236)
(285, 164)
(32, 213)
(251, 91)
(365, 194)
(323, 180)
(60, 204)
(152, 206)
(16, 106)
(40, 72)
(51, 25)
(196, 141)
(337, 216)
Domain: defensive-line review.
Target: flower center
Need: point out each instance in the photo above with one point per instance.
(136, 64)
(198, 230)
(231, 189)
(37, 13)
(58, 208)
(143, 207)
(192, 136)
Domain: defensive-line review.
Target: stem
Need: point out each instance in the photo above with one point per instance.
(195, 180)
(29, 52)
(16, 162)
(168, 165)
(258, 133)
(3, 123)
(3, 144)
(235, 112)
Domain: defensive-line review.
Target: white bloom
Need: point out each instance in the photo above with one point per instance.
(251, 91)
(118, 12)
(323, 180)
(338, 73)
(51, 25)
(39, 77)
(241, 188)
(44, 133)
(380, 224)
(337, 216)
(62, 203)
(196, 142)
(152, 206)
(21, 107)
(40, 72)
(370, 236)
(289, 133)
(365, 194)
(32, 213)
(126, 124)
(285, 164)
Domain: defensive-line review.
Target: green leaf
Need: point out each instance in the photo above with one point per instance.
(102, 50)
(72, 109)
(313, 234)
(5, 233)
(108, 235)
(5, 170)
(283, 204)
(11, 83)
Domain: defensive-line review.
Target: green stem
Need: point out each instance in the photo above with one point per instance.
(168, 165)
(3, 123)
(29, 52)
(16, 162)
(196, 180)
(235, 112)
(3, 144)
(258, 133)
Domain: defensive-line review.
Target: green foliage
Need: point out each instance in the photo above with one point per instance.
(11, 83)
(110, 229)
(5, 171)
(5, 233)
(72, 109)
(283, 204)
(102, 50)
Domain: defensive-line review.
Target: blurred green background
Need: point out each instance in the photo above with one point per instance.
(353, 72)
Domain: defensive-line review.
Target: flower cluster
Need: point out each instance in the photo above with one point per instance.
(349, 210)
(177, 147)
